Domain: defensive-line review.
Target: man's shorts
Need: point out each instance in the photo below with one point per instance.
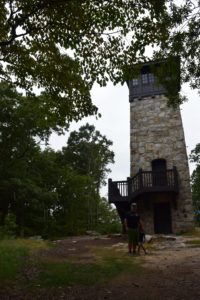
(133, 235)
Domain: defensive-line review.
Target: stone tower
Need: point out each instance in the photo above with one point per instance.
(159, 174)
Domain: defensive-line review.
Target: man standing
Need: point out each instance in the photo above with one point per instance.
(132, 223)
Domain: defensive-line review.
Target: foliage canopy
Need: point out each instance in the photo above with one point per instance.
(63, 47)
(43, 191)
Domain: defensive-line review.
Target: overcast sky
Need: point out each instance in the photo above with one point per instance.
(113, 104)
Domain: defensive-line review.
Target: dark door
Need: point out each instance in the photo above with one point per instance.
(162, 218)
(159, 174)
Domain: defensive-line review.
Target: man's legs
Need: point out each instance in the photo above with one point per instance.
(134, 247)
(130, 240)
(129, 246)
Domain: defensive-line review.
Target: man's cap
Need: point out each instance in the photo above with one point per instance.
(133, 204)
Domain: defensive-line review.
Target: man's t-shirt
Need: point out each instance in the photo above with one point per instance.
(132, 220)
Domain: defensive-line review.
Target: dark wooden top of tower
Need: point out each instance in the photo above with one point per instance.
(155, 78)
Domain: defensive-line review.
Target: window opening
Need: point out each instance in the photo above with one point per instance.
(151, 78)
(145, 78)
(148, 78)
(135, 82)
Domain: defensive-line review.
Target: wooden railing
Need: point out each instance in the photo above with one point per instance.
(143, 181)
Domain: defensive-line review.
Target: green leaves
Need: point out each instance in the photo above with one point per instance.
(195, 155)
(89, 151)
(183, 39)
(50, 193)
(63, 47)
(195, 178)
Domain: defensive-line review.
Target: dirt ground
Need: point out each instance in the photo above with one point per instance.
(171, 271)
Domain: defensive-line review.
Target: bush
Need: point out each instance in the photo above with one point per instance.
(10, 227)
(106, 228)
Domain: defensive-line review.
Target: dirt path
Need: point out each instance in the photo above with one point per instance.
(174, 271)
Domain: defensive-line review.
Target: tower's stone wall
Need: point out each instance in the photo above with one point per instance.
(157, 133)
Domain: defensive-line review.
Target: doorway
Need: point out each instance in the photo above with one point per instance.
(159, 168)
(162, 218)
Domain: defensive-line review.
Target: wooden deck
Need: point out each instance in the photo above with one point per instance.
(143, 182)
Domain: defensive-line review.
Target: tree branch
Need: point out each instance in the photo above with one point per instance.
(18, 22)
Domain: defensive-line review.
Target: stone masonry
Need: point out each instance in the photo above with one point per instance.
(156, 132)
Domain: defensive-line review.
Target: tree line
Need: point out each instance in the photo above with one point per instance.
(48, 192)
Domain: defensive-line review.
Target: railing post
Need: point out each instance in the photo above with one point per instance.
(140, 179)
(129, 186)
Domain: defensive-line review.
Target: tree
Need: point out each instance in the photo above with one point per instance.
(182, 38)
(25, 189)
(63, 47)
(70, 212)
(195, 178)
(47, 192)
(108, 218)
(23, 124)
(89, 153)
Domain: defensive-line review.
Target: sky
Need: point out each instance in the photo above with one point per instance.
(113, 104)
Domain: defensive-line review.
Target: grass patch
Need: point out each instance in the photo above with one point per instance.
(61, 274)
(10, 259)
(12, 254)
(108, 265)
